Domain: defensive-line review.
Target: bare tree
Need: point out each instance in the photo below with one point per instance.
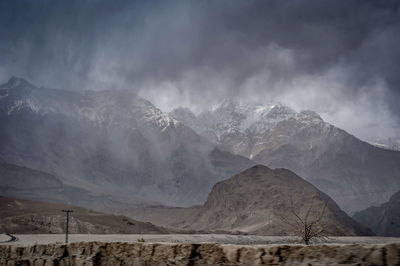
(308, 226)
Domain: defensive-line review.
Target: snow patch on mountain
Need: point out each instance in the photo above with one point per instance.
(244, 128)
(160, 119)
(231, 117)
(101, 108)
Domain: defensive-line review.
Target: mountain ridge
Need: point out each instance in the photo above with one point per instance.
(353, 172)
(254, 202)
(113, 143)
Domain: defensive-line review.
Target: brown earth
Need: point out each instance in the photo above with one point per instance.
(25, 216)
(254, 202)
(98, 253)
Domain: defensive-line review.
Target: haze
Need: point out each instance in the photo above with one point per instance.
(338, 58)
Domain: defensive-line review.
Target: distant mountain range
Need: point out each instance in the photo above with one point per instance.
(254, 201)
(237, 126)
(110, 143)
(354, 173)
(118, 147)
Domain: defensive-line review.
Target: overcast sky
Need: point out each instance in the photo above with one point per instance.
(339, 58)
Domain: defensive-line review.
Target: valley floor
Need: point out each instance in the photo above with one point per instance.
(31, 239)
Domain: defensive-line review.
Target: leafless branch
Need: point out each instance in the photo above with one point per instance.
(305, 227)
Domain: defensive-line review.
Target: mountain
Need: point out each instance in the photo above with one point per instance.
(111, 143)
(26, 183)
(254, 201)
(387, 143)
(29, 217)
(236, 126)
(383, 220)
(354, 173)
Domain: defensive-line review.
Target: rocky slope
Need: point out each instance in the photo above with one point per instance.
(237, 126)
(27, 217)
(254, 201)
(110, 143)
(95, 253)
(354, 173)
(384, 220)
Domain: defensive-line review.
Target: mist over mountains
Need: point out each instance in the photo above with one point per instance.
(111, 143)
(119, 147)
(201, 115)
(338, 58)
(354, 173)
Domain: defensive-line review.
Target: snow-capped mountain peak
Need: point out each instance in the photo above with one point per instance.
(243, 127)
(231, 116)
(102, 108)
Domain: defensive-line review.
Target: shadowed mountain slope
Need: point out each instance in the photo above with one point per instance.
(26, 183)
(384, 220)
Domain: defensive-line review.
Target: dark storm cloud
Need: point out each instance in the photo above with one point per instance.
(340, 58)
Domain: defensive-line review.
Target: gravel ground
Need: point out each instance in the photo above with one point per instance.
(180, 238)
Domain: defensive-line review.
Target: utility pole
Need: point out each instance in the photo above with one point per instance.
(67, 212)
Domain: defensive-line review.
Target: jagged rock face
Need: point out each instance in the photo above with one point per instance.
(237, 126)
(94, 253)
(354, 173)
(255, 201)
(108, 142)
(384, 220)
(187, 116)
(35, 217)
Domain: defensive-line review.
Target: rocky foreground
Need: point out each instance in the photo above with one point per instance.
(100, 253)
